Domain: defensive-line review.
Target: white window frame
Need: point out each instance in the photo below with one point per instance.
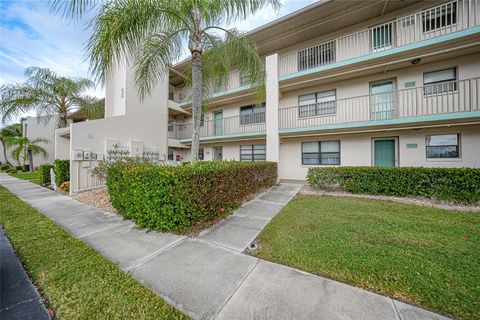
(440, 86)
(318, 109)
(427, 146)
(252, 148)
(319, 153)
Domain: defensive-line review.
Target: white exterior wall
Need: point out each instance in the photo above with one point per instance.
(356, 149)
(44, 128)
(62, 144)
(115, 92)
(144, 121)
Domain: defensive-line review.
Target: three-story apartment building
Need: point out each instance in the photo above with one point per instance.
(349, 83)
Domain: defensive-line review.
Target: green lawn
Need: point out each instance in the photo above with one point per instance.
(78, 282)
(427, 256)
(30, 176)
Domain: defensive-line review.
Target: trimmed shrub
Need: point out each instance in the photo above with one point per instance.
(176, 198)
(19, 168)
(26, 168)
(45, 173)
(459, 185)
(12, 170)
(4, 167)
(62, 171)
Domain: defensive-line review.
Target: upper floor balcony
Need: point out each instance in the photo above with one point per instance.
(414, 28)
(235, 82)
(220, 127)
(384, 106)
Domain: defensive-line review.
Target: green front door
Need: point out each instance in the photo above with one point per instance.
(218, 123)
(384, 151)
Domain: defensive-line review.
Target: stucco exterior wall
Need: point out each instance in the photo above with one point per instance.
(62, 144)
(115, 92)
(42, 127)
(144, 121)
(356, 149)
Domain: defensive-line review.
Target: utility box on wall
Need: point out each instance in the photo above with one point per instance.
(77, 154)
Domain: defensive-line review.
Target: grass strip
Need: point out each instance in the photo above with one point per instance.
(77, 281)
(427, 256)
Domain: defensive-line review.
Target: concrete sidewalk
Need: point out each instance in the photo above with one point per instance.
(208, 277)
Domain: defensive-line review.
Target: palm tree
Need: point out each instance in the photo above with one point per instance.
(47, 93)
(25, 147)
(7, 134)
(153, 33)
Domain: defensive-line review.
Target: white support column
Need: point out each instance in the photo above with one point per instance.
(273, 139)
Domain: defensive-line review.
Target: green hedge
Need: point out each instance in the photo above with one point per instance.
(62, 171)
(460, 185)
(45, 172)
(175, 198)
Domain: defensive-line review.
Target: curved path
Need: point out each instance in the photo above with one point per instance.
(209, 277)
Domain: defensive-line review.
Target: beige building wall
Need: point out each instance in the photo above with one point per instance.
(356, 149)
(144, 121)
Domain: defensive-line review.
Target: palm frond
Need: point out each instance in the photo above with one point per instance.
(155, 55)
(92, 108)
(74, 9)
(17, 99)
(122, 26)
(222, 55)
(225, 12)
(45, 92)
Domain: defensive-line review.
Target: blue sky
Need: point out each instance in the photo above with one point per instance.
(31, 36)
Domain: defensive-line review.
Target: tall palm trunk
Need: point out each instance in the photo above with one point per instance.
(196, 103)
(30, 159)
(195, 46)
(63, 121)
(5, 152)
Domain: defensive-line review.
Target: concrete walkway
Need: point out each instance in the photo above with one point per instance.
(19, 300)
(208, 277)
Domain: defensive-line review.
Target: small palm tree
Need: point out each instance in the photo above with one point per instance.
(24, 148)
(7, 134)
(47, 93)
(153, 33)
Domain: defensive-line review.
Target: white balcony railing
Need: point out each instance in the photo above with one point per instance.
(235, 81)
(435, 99)
(427, 24)
(244, 124)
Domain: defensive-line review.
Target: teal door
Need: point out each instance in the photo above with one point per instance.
(218, 123)
(384, 152)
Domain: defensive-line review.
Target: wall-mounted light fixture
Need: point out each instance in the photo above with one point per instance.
(416, 61)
